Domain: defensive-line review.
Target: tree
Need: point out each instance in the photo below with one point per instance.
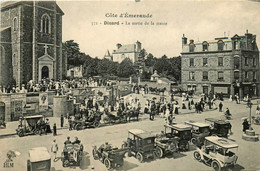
(126, 68)
(149, 61)
(73, 52)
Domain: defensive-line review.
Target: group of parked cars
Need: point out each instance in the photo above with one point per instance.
(210, 138)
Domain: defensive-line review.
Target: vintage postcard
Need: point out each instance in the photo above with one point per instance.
(129, 85)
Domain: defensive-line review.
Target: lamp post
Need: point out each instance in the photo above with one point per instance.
(250, 104)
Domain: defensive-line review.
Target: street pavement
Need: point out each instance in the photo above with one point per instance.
(248, 152)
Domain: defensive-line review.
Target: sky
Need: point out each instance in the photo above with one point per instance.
(198, 20)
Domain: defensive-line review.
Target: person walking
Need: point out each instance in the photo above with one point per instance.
(220, 106)
(54, 149)
(54, 130)
(61, 121)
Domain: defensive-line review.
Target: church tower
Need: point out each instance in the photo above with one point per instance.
(33, 31)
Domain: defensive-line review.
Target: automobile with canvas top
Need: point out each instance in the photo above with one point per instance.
(217, 152)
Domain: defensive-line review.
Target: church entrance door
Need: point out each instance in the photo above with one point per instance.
(45, 72)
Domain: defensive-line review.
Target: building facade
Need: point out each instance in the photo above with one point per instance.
(31, 42)
(223, 65)
(130, 51)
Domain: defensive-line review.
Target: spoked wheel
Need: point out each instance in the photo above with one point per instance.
(197, 156)
(37, 132)
(95, 156)
(159, 152)
(140, 157)
(78, 127)
(96, 124)
(20, 134)
(107, 163)
(193, 141)
(216, 166)
(66, 163)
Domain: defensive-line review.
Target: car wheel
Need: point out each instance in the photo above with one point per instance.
(20, 134)
(216, 166)
(66, 163)
(37, 132)
(193, 141)
(78, 127)
(107, 163)
(197, 156)
(96, 124)
(159, 152)
(140, 157)
(95, 156)
(123, 145)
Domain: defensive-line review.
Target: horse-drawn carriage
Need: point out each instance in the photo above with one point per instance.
(121, 117)
(72, 155)
(31, 125)
(93, 120)
(111, 157)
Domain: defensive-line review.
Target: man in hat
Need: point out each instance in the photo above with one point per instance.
(54, 149)
(67, 141)
(77, 141)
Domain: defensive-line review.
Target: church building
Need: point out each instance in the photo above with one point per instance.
(31, 42)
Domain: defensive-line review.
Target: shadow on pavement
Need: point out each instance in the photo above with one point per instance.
(127, 166)
(237, 167)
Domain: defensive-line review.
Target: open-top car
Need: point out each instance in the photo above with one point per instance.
(93, 120)
(219, 127)
(183, 132)
(112, 157)
(217, 152)
(199, 131)
(72, 155)
(30, 125)
(140, 144)
(39, 159)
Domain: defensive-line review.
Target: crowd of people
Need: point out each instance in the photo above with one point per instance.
(61, 86)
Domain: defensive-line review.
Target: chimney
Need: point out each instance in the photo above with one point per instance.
(184, 40)
(118, 45)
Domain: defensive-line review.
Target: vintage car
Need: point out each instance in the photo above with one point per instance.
(165, 144)
(199, 131)
(30, 125)
(183, 132)
(219, 127)
(72, 155)
(91, 121)
(140, 144)
(39, 159)
(111, 157)
(217, 152)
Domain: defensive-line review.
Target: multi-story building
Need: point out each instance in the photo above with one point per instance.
(224, 65)
(31, 42)
(130, 51)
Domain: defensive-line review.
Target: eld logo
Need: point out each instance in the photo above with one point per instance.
(9, 161)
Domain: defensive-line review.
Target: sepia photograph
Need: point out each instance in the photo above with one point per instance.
(129, 85)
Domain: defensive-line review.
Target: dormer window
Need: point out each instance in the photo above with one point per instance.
(220, 45)
(204, 46)
(46, 24)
